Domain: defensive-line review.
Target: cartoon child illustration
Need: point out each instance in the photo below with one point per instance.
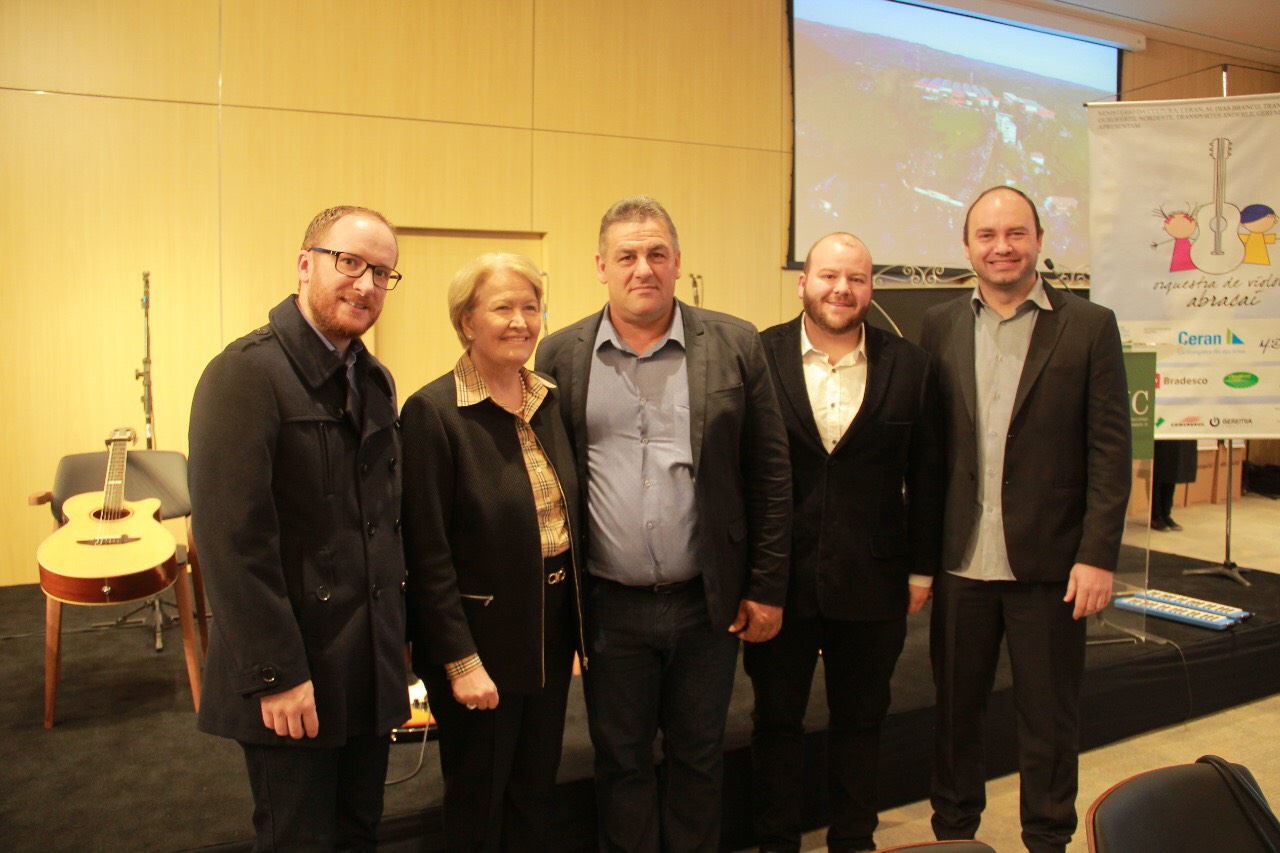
(1257, 219)
(1179, 225)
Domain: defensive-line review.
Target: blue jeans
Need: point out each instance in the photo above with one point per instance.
(655, 663)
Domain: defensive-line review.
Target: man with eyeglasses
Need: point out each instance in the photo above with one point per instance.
(295, 495)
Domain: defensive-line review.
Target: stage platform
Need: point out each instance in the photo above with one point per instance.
(125, 768)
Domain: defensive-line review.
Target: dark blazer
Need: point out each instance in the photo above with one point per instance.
(742, 479)
(856, 534)
(1067, 455)
(476, 576)
(295, 508)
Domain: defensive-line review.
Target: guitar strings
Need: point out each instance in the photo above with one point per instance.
(112, 489)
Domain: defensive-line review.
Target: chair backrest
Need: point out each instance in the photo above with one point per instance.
(1187, 808)
(148, 474)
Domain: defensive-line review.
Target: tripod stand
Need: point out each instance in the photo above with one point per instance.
(155, 604)
(1228, 569)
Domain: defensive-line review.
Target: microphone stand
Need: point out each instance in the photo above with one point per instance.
(145, 373)
(149, 414)
(546, 302)
(156, 604)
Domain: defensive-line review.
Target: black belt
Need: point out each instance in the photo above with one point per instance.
(662, 588)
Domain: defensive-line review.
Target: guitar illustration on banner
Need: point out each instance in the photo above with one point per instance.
(1218, 248)
(109, 549)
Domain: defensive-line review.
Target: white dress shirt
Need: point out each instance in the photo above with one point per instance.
(835, 390)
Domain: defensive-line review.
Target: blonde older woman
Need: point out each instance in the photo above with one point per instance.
(493, 595)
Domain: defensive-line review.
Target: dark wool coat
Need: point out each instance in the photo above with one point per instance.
(295, 510)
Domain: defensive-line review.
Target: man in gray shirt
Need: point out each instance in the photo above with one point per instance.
(1038, 469)
(680, 443)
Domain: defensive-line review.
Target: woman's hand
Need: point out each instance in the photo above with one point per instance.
(476, 690)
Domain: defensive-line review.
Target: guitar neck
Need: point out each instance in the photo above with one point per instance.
(1219, 179)
(113, 487)
(1220, 151)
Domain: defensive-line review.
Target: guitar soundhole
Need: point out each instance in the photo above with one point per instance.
(109, 514)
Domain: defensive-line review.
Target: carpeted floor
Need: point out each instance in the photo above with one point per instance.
(125, 768)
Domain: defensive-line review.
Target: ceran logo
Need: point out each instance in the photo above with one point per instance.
(1195, 339)
(1240, 379)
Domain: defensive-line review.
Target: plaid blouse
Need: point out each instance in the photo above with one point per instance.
(548, 499)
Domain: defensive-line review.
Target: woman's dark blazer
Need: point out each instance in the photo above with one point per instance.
(475, 572)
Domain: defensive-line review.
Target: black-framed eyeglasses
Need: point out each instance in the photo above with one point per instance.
(353, 266)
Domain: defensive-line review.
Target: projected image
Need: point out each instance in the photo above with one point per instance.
(905, 114)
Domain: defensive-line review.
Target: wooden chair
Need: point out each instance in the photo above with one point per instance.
(157, 474)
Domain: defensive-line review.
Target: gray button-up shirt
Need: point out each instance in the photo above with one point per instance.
(640, 497)
(1000, 350)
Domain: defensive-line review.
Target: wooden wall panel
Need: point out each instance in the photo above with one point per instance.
(662, 69)
(465, 62)
(497, 116)
(139, 49)
(1166, 71)
(280, 168)
(94, 191)
(725, 203)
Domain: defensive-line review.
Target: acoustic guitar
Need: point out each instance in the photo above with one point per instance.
(108, 550)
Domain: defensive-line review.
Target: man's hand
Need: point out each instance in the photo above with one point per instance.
(292, 712)
(476, 690)
(756, 622)
(918, 596)
(1090, 588)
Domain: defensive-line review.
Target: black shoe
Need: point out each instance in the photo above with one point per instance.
(1170, 524)
(861, 845)
(1159, 524)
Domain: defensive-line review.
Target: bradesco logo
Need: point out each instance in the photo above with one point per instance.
(1196, 339)
(1240, 379)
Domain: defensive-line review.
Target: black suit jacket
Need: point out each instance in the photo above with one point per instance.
(1067, 466)
(742, 479)
(869, 513)
(471, 539)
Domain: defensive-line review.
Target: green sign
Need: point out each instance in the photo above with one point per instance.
(1140, 370)
(1242, 379)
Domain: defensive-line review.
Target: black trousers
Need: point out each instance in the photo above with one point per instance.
(1046, 652)
(499, 766)
(1162, 501)
(309, 798)
(858, 659)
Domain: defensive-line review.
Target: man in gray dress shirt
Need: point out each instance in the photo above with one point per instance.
(680, 443)
(1038, 469)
